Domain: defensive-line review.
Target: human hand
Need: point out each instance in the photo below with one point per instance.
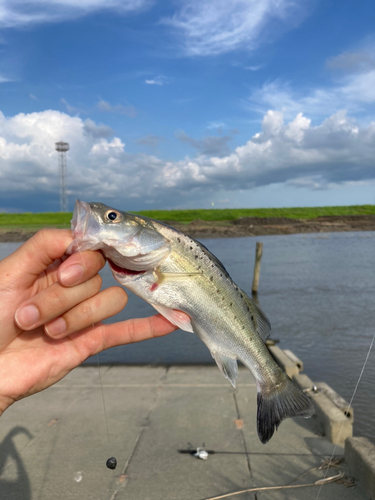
(51, 313)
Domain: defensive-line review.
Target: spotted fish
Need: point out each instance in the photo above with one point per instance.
(190, 287)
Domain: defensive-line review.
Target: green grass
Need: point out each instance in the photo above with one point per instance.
(61, 220)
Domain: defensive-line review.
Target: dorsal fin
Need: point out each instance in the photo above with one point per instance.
(260, 320)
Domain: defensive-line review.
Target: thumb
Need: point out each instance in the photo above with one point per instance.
(36, 254)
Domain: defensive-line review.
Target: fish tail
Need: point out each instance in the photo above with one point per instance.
(281, 401)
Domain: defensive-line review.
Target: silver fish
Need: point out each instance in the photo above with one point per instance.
(174, 273)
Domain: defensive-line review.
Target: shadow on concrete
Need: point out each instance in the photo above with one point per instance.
(18, 488)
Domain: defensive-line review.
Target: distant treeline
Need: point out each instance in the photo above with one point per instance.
(58, 219)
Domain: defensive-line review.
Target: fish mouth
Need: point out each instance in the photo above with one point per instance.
(123, 271)
(84, 229)
(80, 218)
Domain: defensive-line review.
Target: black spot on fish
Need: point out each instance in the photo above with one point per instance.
(236, 287)
(179, 240)
(218, 291)
(247, 309)
(212, 278)
(191, 248)
(241, 295)
(252, 318)
(231, 304)
(196, 256)
(235, 317)
(243, 328)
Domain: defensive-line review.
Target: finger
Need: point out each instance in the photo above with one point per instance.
(80, 267)
(135, 330)
(36, 254)
(53, 302)
(93, 340)
(102, 306)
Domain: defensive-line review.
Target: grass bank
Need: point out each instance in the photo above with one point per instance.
(62, 220)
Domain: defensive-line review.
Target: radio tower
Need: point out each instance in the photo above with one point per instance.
(62, 148)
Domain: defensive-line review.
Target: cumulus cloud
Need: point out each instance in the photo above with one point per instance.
(210, 28)
(352, 89)
(353, 92)
(335, 152)
(97, 131)
(25, 12)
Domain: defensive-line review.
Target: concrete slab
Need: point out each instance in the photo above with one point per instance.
(54, 445)
(201, 375)
(360, 457)
(180, 420)
(66, 459)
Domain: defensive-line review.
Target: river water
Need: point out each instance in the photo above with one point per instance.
(318, 292)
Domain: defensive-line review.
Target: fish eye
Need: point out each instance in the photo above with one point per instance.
(113, 216)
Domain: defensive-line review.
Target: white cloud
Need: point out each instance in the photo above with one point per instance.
(108, 149)
(25, 12)
(353, 92)
(336, 152)
(352, 89)
(210, 28)
(158, 80)
(97, 131)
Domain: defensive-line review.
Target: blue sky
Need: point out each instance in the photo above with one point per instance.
(183, 104)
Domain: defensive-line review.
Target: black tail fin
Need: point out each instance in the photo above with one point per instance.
(287, 400)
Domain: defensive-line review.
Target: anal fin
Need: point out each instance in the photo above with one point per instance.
(228, 366)
(178, 318)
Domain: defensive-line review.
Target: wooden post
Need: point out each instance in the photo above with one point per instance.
(258, 257)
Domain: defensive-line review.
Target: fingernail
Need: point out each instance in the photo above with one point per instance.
(71, 275)
(55, 327)
(27, 316)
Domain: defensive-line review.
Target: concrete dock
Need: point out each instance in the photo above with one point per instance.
(54, 445)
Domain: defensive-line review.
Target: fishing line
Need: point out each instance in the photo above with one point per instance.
(111, 462)
(348, 408)
(101, 387)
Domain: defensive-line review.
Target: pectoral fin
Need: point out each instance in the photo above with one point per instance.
(178, 318)
(228, 366)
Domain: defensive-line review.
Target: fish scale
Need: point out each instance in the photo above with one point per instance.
(188, 285)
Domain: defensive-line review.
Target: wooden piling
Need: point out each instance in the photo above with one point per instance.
(258, 258)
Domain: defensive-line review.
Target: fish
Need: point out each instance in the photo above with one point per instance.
(177, 274)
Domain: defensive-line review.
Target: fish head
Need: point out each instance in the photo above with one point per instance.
(131, 244)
